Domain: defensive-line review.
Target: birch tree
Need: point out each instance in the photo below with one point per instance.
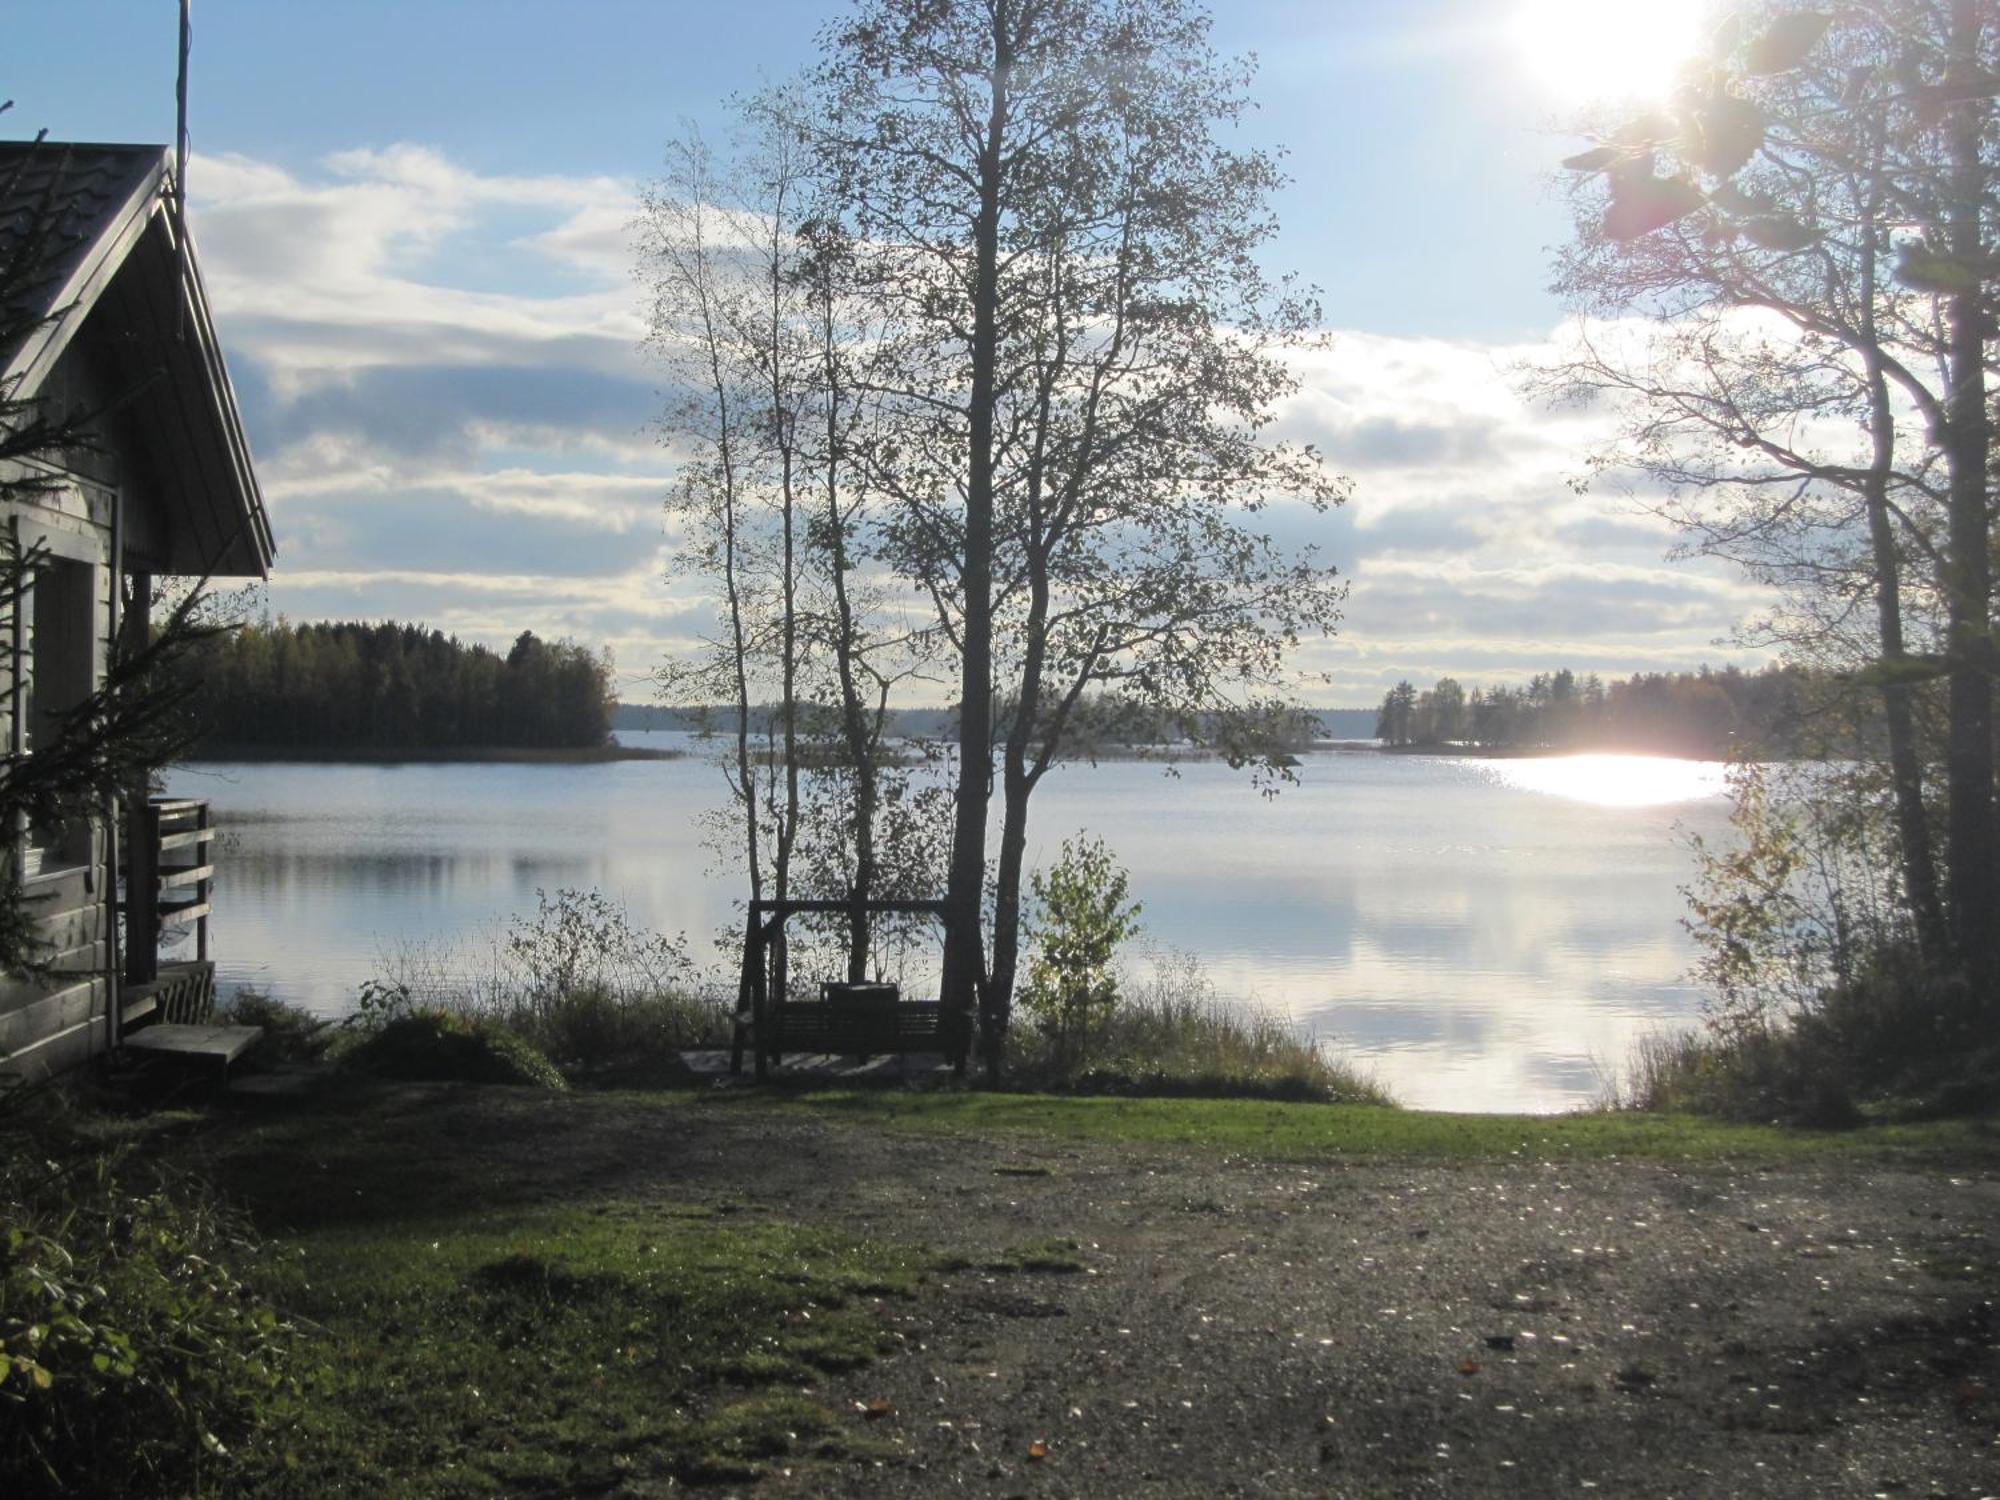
(1080, 357)
(752, 323)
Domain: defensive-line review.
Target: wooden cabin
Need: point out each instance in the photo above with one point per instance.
(110, 318)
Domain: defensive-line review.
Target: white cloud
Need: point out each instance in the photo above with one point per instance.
(443, 376)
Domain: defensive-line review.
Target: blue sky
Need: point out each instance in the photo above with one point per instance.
(414, 218)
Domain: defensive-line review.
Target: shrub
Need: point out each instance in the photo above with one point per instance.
(291, 1033)
(579, 981)
(582, 941)
(1078, 915)
(1750, 1074)
(1173, 1035)
(442, 1046)
(1820, 1005)
(603, 1034)
(133, 1358)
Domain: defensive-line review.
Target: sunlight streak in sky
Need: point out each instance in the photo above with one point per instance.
(1586, 51)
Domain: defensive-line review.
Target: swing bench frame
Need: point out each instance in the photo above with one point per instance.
(771, 1025)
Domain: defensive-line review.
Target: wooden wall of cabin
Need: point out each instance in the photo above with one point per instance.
(47, 1026)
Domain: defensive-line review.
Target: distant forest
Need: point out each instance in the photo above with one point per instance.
(353, 686)
(1097, 725)
(1780, 711)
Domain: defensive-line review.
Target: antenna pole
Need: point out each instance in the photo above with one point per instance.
(181, 166)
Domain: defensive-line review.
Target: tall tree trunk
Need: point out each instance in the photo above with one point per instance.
(746, 771)
(1906, 775)
(1018, 783)
(853, 717)
(787, 832)
(1969, 579)
(963, 962)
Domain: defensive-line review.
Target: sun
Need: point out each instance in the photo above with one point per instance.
(1591, 51)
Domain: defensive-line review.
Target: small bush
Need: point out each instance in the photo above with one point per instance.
(1892, 1041)
(291, 1033)
(1173, 1035)
(135, 1353)
(603, 999)
(1077, 917)
(605, 1035)
(582, 940)
(442, 1046)
(1748, 1075)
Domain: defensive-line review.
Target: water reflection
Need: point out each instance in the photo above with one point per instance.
(1615, 780)
(1483, 934)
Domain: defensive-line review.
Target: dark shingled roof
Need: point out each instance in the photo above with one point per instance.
(57, 202)
(89, 249)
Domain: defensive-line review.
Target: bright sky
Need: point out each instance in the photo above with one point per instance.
(413, 216)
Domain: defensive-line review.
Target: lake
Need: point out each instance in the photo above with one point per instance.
(1481, 934)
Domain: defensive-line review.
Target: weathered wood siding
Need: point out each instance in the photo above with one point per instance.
(46, 1026)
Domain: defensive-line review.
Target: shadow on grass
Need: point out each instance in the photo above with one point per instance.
(366, 1152)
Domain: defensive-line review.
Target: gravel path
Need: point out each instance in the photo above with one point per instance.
(1356, 1328)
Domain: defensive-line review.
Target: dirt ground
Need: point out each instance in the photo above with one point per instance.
(1344, 1327)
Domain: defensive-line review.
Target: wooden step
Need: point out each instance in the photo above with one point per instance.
(221, 1045)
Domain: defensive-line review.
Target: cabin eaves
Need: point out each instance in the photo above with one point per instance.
(114, 288)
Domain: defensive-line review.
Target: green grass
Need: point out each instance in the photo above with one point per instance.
(1292, 1131)
(1057, 1256)
(570, 1351)
(470, 1327)
(442, 1045)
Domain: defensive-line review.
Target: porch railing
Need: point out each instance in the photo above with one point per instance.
(169, 879)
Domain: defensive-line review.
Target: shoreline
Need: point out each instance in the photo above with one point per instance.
(1512, 752)
(581, 755)
(569, 755)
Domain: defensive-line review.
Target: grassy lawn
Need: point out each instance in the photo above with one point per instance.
(571, 1351)
(1293, 1131)
(586, 1342)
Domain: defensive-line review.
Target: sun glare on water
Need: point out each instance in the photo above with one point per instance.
(1616, 780)
(1586, 51)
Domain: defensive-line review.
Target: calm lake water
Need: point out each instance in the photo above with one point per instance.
(1481, 934)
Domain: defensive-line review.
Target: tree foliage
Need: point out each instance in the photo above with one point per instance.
(1793, 276)
(351, 685)
(778, 525)
(1080, 914)
(1780, 711)
(1008, 319)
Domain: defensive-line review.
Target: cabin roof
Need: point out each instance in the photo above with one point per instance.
(89, 250)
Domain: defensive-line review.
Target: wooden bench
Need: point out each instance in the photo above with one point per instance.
(857, 1020)
(862, 1020)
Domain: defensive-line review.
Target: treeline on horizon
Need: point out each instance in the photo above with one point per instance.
(1098, 723)
(349, 685)
(1779, 711)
